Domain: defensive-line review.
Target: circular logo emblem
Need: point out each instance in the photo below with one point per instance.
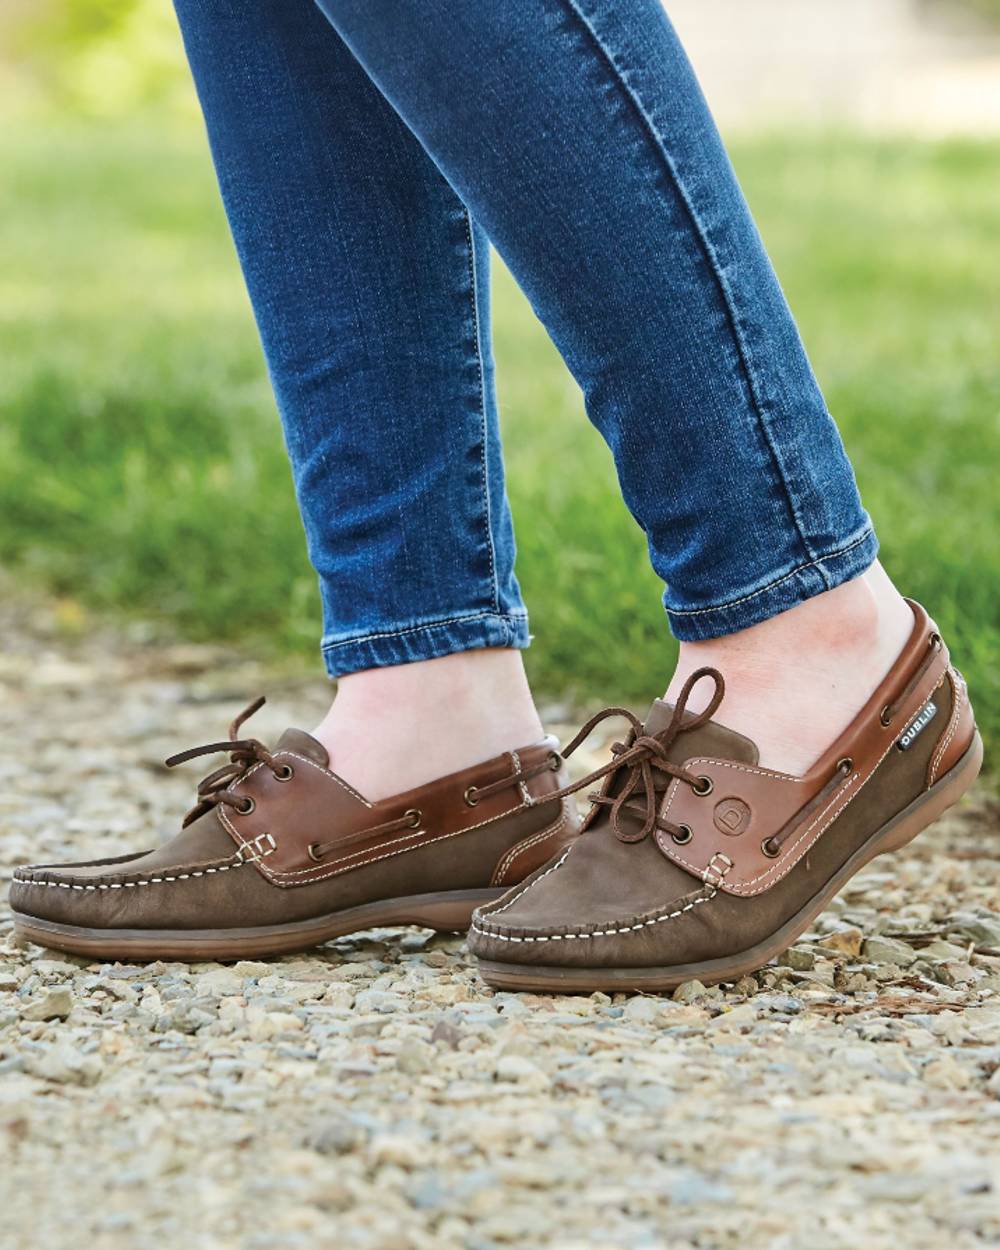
(731, 816)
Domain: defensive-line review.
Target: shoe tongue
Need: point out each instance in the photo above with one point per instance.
(301, 743)
(711, 739)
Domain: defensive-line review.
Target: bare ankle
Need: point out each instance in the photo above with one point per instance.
(796, 681)
(390, 729)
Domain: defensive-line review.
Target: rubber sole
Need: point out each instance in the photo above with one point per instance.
(448, 911)
(896, 833)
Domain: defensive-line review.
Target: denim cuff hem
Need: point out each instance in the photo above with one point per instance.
(800, 584)
(425, 641)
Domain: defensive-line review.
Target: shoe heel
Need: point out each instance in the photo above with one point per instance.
(935, 802)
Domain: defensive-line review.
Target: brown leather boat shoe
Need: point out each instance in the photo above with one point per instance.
(696, 863)
(280, 854)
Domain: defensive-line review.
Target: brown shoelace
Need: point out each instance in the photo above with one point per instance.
(644, 757)
(244, 753)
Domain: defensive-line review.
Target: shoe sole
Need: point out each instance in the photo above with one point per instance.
(896, 833)
(449, 911)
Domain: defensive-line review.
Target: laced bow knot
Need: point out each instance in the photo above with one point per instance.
(244, 753)
(644, 756)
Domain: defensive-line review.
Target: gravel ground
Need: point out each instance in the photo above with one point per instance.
(376, 1094)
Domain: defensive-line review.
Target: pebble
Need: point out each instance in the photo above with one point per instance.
(64, 1065)
(689, 992)
(219, 983)
(52, 1005)
(800, 958)
(520, 1070)
(641, 1010)
(844, 942)
(884, 950)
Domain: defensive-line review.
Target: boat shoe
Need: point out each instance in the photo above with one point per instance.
(280, 853)
(696, 863)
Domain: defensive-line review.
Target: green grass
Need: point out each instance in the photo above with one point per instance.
(141, 463)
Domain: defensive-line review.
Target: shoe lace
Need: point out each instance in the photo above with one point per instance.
(244, 753)
(643, 760)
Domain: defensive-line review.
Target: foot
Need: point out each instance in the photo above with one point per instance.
(280, 853)
(696, 862)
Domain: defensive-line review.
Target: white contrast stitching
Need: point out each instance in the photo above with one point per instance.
(495, 911)
(719, 870)
(570, 937)
(958, 702)
(522, 785)
(304, 759)
(183, 876)
(510, 856)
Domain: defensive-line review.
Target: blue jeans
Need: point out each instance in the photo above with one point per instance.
(368, 152)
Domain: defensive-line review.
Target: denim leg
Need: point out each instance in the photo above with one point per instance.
(370, 285)
(578, 135)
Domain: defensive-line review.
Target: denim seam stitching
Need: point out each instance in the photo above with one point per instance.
(474, 307)
(503, 617)
(734, 603)
(713, 262)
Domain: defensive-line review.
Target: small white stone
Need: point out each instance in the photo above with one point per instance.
(883, 950)
(945, 1073)
(52, 1005)
(643, 1010)
(222, 983)
(517, 1069)
(264, 1025)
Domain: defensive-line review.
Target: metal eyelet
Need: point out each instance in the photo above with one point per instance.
(935, 641)
(246, 806)
(555, 761)
(771, 851)
(313, 852)
(885, 716)
(284, 772)
(703, 786)
(415, 817)
(471, 796)
(683, 835)
(845, 765)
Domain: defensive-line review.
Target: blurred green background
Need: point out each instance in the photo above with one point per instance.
(140, 453)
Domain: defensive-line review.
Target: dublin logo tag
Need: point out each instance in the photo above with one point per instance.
(924, 717)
